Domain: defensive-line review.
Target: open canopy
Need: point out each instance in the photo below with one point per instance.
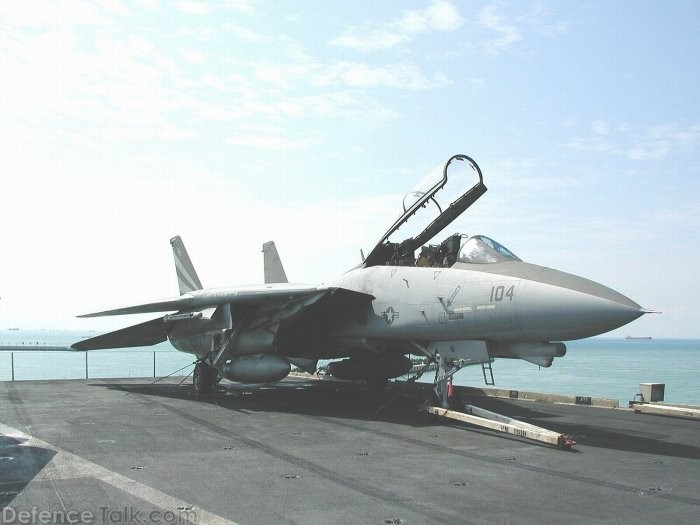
(428, 210)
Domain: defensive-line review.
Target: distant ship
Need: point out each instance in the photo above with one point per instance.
(13, 328)
(638, 338)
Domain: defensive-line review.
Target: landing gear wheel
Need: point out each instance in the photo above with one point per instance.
(203, 378)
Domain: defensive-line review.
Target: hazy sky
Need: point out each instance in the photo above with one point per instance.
(233, 123)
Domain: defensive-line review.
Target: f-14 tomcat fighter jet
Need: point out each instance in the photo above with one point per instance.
(463, 301)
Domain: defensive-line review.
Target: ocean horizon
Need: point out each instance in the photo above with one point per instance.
(596, 367)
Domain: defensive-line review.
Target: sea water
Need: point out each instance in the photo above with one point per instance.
(34, 363)
(607, 368)
(596, 367)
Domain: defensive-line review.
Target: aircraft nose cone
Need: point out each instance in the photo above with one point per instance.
(571, 307)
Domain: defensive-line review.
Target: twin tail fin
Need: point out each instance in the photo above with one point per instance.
(187, 278)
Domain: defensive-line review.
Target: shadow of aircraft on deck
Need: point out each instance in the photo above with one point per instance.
(20, 463)
(338, 402)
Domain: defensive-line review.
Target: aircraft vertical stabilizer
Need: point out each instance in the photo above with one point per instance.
(187, 278)
(273, 269)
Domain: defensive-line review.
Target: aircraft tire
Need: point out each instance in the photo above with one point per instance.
(203, 378)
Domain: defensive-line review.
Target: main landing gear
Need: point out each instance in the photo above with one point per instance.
(206, 374)
(204, 378)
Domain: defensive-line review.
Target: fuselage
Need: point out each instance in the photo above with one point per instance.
(503, 302)
(507, 301)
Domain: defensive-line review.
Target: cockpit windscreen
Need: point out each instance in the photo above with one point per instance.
(480, 249)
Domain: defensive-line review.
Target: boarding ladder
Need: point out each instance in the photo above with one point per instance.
(488, 379)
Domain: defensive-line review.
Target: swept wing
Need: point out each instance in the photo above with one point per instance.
(200, 299)
(273, 304)
(144, 334)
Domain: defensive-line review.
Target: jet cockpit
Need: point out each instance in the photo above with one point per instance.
(480, 249)
(477, 249)
(421, 204)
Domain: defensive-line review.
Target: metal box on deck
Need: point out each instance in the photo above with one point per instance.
(652, 392)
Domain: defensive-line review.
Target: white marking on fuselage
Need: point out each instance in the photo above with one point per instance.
(462, 309)
(485, 306)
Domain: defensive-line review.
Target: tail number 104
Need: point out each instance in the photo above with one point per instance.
(499, 293)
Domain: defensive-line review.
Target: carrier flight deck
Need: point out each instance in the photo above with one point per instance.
(126, 451)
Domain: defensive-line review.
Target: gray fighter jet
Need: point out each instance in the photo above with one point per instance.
(463, 301)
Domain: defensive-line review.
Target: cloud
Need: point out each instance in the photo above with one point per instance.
(649, 150)
(655, 142)
(404, 75)
(89, 79)
(192, 56)
(378, 39)
(244, 6)
(283, 75)
(245, 34)
(507, 32)
(590, 144)
(151, 5)
(348, 104)
(193, 8)
(477, 84)
(48, 14)
(600, 127)
(504, 31)
(496, 31)
(105, 85)
(273, 142)
(439, 16)
(539, 21)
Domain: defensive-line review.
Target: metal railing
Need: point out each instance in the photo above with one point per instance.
(56, 364)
